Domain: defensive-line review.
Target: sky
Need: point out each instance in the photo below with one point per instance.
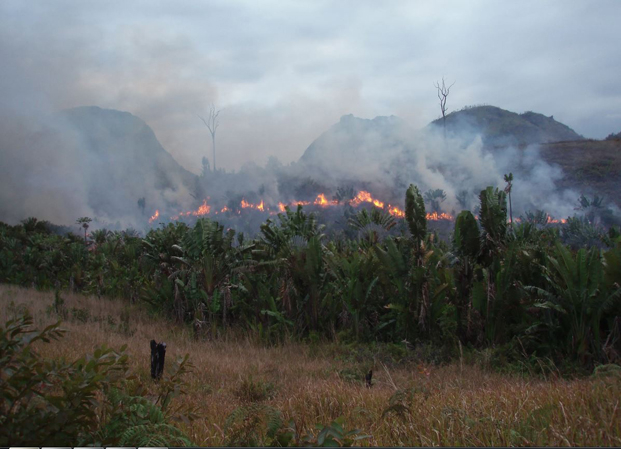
(284, 72)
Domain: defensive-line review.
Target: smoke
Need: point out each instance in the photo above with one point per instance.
(85, 162)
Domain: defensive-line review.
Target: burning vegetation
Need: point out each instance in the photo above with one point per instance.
(361, 198)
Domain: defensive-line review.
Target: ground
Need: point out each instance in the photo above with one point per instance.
(462, 403)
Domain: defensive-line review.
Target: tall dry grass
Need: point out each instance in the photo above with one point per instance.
(432, 406)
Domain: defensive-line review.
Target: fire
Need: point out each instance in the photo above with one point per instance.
(365, 197)
(322, 201)
(204, 209)
(362, 197)
(554, 221)
(246, 205)
(154, 217)
(395, 211)
(434, 216)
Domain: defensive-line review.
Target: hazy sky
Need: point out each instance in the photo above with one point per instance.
(285, 71)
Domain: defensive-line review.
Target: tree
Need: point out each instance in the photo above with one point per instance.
(84, 221)
(212, 124)
(443, 93)
(415, 216)
(206, 167)
(509, 181)
(141, 204)
(435, 198)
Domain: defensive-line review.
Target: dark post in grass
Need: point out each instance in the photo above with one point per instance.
(158, 353)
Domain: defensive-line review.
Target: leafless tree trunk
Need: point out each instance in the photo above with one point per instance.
(443, 93)
(212, 123)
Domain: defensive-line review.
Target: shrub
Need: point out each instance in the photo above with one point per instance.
(49, 401)
(83, 402)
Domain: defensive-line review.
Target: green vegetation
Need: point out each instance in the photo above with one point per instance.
(514, 289)
(85, 402)
(242, 392)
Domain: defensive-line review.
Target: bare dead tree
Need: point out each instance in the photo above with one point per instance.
(443, 93)
(212, 124)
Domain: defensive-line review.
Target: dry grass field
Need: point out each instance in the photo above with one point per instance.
(454, 405)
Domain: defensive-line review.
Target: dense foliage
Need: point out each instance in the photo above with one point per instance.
(90, 401)
(514, 287)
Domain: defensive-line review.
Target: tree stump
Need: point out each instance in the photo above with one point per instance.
(158, 354)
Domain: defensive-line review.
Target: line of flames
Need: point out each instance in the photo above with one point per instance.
(321, 200)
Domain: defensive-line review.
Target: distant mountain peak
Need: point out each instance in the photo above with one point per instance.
(499, 127)
(354, 137)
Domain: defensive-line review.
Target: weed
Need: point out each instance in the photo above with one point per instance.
(250, 390)
(80, 315)
(124, 325)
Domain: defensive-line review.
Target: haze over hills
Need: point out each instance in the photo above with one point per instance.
(87, 161)
(100, 162)
(482, 143)
(126, 151)
(499, 127)
(369, 140)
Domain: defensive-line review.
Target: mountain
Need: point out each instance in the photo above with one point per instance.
(499, 128)
(86, 161)
(614, 136)
(353, 139)
(589, 166)
(127, 161)
(553, 164)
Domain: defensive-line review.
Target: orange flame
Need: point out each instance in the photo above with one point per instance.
(204, 209)
(362, 197)
(365, 197)
(434, 216)
(395, 211)
(555, 221)
(154, 217)
(322, 201)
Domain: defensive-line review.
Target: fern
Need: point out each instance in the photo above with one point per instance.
(136, 421)
(252, 425)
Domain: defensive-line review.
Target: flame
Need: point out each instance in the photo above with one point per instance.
(204, 209)
(362, 197)
(395, 211)
(434, 216)
(365, 197)
(554, 221)
(154, 217)
(322, 201)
